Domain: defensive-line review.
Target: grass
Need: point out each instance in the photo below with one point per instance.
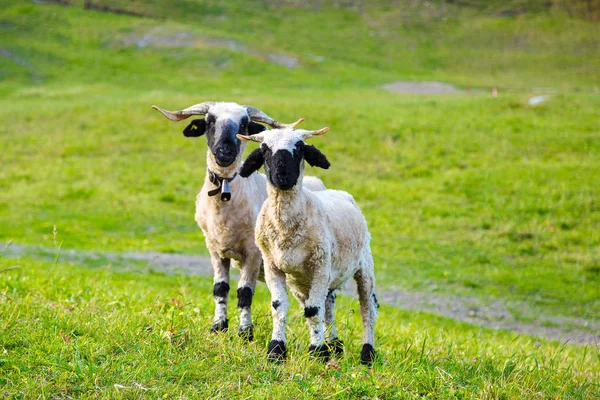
(467, 194)
(69, 331)
(501, 205)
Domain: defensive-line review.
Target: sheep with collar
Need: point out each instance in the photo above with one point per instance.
(226, 207)
(313, 242)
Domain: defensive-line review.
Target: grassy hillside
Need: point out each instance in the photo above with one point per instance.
(465, 194)
(378, 42)
(468, 194)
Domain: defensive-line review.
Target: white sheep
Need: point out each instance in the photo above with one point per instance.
(227, 208)
(312, 241)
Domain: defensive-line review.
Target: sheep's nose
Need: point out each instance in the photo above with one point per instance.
(225, 152)
(225, 157)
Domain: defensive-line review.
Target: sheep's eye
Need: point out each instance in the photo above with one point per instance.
(210, 118)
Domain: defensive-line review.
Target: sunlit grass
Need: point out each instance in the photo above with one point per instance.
(89, 333)
(465, 194)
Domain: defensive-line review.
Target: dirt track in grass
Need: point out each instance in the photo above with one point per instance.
(494, 315)
(429, 88)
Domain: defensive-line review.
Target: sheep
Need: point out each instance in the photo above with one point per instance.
(311, 241)
(227, 208)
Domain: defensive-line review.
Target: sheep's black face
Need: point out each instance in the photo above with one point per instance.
(221, 135)
(283, 166)
(283, 161)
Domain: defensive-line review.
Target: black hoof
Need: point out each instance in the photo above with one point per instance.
(367, 354)
(276, 351)
(321, 351)
(247, 333)
(220, 326)
(336, 346)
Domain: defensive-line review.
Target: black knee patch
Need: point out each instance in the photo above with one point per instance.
(322, 351)
(221, 289)
(244, 297)
(375, 300)
(220, 326)
(276, 304)
(336, 346)
(310, 312)
(246, 333)
(367, 354)
(276, 351)
(331, 295)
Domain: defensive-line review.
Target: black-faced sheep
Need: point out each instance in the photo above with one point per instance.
(313, 242)
(226, 207)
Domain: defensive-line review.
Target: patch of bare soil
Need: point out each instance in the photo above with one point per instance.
(420, 88)
(162, 36)
(474, 311)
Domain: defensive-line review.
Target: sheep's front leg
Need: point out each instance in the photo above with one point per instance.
(279, 308)
(220, 291)
(314, 312)
(249, 274)
(335, 345)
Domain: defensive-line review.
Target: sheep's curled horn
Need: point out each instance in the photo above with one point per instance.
(255, 114)
(197, 109)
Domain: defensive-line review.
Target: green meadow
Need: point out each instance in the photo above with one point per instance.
(73, 332)
(466, 194)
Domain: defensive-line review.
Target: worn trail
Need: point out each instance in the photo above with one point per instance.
(466, 309)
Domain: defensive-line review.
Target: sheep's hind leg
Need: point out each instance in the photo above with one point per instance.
(246, 286)
(220, 291)
(279, 308)
(365, 282)
(335, 345)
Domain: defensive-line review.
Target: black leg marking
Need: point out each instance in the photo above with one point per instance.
(336, 346)
(221, 289)
(331, 294)
(367, 354)
(310, 312)
(375, 300)
(276, 304)
(220, 326)
(247, 333)
(321, 351)
(244, 297)
(276, 351)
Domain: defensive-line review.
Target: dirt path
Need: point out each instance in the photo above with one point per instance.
(168, 36)
(403, 87)
(466, 309)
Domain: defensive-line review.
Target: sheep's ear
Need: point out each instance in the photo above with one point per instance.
(252, 164)
(254, 128)
(196, 128)
(315, 158)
